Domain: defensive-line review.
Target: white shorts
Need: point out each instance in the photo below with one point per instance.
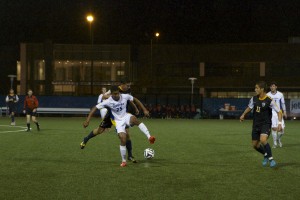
(121, 124)
(275, 121)
(103, 112)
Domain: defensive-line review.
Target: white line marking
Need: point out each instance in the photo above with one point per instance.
(14, 130)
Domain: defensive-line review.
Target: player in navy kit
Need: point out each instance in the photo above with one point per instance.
(12, 99)
(262, 106)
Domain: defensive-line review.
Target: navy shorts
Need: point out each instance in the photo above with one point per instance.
(258, 130)
(12, 109)
(30, 112)
(106, 122)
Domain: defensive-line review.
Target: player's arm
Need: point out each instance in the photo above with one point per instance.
(248, 109)
(283, 107)
(106, 95)
(140, 105)
(25, 105)
(7, 99)
(36, 103)
(93, 110)
(136, 109)
(275, 107)
(17, 99)
(87, 121)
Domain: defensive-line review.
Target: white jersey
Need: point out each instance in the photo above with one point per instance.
(279, 99)
(118, 108)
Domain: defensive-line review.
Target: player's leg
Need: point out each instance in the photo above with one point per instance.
(264, 142)
(274, 128)
(105, 124)
(122, 137)
(280, 134)
(120, 126)
(132, 120)
(34, 119)
(12, 116)
(93, 133)
(28, 116)
(129, 147)
(258, 146)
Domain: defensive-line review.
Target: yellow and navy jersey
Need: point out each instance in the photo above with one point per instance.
(125, 92)
(262, 110)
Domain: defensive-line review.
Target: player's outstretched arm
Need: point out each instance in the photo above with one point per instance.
(87, 121)
(242, 117)
(140, 105)
(136, 109)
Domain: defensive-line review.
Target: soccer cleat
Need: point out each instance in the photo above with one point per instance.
(265, 161)
(38, 128)
(273, 163)
(131, 158)
(82, 145)
(13, 123)
(28, 130)
(279, 143)
(123, 164)
(151, 139)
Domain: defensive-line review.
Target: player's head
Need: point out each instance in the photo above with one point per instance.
(11, 91)
(115, 93)
(104, 90)
(29, 92)
(260, 87)
(125, 83)
(273, 87)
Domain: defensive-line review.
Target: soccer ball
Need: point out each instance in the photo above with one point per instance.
(148, 153)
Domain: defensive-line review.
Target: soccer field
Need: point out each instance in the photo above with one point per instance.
(194, 159)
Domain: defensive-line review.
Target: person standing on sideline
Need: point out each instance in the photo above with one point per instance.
(12, 99)
(30, 109)
(279, 99)
(262, 106)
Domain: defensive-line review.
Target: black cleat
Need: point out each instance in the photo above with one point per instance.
(28, 130)
(131, 158)
(82, 145)
(38, 128)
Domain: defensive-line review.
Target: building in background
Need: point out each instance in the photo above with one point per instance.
(159, 71)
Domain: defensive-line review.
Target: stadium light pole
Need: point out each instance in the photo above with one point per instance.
(11, 80)
(151, 51)
(192, 79)
(90, 19)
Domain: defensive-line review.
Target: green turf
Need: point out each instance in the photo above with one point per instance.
(195, 159)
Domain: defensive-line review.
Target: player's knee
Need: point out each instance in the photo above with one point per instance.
(134, 121)
(274, 129)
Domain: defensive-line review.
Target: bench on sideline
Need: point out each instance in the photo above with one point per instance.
(62, 111)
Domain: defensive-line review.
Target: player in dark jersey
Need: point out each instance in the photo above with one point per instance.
(12, 99)
(262, 106)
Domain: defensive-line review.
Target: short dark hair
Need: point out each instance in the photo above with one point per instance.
(262, 84)
(273, 83)
(114, 88)
(124, 80)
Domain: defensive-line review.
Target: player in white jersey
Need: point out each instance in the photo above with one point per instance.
(279, 99)
(117, 103)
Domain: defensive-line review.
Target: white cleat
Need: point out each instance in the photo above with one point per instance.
(279, 143)
(13, 123)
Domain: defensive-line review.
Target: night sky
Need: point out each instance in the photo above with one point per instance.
(134, 21)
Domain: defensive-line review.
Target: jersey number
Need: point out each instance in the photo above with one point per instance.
(119, 109)
(258, 109)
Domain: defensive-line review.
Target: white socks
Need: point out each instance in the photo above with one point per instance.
(144, 129)
(123, 153)
(274, 135)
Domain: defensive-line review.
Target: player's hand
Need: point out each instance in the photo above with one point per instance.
(146, 113)
(86, 124)
(279, 128)
(284, 115)
(137, 112)
(24, 111)
(242, 117)
(34, 110)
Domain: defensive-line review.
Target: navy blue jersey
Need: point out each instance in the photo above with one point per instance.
(12, 100)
